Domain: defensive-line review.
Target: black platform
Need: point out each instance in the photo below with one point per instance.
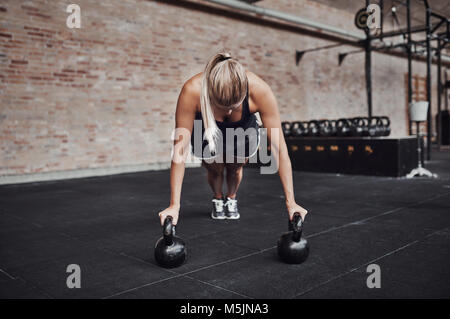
(445, 126)
(382, 156)
(108, 226)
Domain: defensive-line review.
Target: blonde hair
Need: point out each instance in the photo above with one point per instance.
(224, 84)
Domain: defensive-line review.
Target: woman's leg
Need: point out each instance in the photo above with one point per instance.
(234, 177)
(215, 177)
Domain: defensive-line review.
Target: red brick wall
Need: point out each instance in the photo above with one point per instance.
(104, 95)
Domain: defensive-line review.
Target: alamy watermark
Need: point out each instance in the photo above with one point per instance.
(74, 19)
(374, 279)
(237, 145)
(74, 279)
(374, 16)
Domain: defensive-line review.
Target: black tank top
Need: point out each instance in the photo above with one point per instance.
(248, 120)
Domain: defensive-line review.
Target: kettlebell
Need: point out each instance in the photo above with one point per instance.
(357, 126)
(287, 128)
(374, 126)
(343, 127)
(305, 128)
(333, 128)
(313, 128)
(170, 250)
(365, 126)
(297, 129)
(292, 248)
(386, 125)
(324, 128)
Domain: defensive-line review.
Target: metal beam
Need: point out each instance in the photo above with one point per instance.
(429, 26)
(368, 69)
(437, 26)
(239, 5)
(415, 29)
(409, 48)
(439, 16)
(439, 92)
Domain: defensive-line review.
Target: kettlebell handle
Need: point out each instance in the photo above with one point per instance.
(168, 231)
(297, 226)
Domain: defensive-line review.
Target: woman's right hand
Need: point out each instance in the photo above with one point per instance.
(170, 211)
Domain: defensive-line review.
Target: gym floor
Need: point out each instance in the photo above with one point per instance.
(108, 226)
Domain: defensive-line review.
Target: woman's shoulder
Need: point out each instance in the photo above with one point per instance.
(259, 91)
(256, 85)
(190, 93)
(193, 85)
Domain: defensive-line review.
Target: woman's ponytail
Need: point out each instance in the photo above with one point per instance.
(209, 122)
(225, 82)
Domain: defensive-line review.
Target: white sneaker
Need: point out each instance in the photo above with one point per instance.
(218, 211)
(232, 209)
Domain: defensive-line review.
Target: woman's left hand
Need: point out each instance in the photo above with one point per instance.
(294, 208)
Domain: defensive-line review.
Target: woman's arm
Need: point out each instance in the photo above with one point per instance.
(184, 120)
(267, 107)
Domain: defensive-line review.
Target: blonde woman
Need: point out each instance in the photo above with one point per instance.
(226, 96)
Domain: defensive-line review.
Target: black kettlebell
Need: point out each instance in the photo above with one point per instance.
(287, 128)
(325, 128)
(357, 126)
(333, 128)
(365, 126)
(380, 125)
(343, 127)
(386, 125)
(313, 128)
(170, 250)
(292, 248)
(374, 127)
(297, 129)
(305, 128)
